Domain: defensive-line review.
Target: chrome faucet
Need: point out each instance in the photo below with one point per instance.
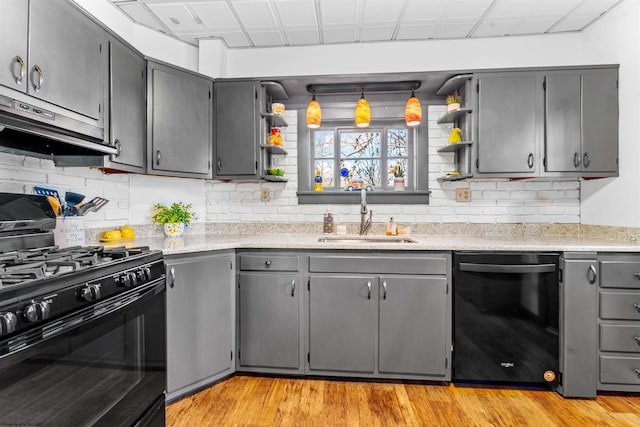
(365, 223)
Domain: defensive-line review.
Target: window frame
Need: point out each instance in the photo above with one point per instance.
(340, 117)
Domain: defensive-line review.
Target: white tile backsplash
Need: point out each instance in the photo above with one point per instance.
(132, 196)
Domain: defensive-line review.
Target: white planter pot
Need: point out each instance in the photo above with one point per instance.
(398, 184)
(453, 107)
(174, 229)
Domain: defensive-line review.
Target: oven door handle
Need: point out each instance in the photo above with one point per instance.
(507, 268)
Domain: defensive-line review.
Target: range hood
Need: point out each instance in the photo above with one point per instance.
(28, 128)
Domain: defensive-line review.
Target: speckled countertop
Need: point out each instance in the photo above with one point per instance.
(199, 242)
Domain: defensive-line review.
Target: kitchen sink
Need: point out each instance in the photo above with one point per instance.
(366, 239)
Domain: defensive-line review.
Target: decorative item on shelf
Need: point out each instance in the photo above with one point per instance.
(277, 108)
(363, 112)
(453, 101)
(173, 218)
(454, 136)
(318, 182)
(275, 171)
(413, 110)
(276, 137)
(314, 113)
(398, 177)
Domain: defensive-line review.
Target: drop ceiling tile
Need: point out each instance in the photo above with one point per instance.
(517, 9)
(339, 35)
(417, 31)
(175, 16)
(339, 12)
(255, 14)
(139, 14)
(296, 13)
(233, 39)
(454, 30)
(215, 15)
(381, 11)
(266, 38)
(507, 26)
(302, 37)
(369, 34)
(584, 14)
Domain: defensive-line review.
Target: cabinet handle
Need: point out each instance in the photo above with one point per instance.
(530, 161)
(369, 290)
(172, 277)
(267, 263)
(219, 164)
(118, 147)
(637, 307)
(23, 70)
(592, 275)
(37, 86)
(384, 290)
(293, 288)
(158, 157)
(576, 160)
(637, 340)
(587, 160)
(637, 275)
(637, 371)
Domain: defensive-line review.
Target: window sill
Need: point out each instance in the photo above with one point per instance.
(373, 197)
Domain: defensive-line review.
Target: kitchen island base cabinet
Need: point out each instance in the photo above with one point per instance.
(200, 321)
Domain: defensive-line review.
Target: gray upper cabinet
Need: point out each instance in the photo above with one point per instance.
(14, 21)
(200, 320)
(237, 113)
(127, 107)
(179, 122)
(507, 123)
(581, 122)
(67, 57)
(413, 325)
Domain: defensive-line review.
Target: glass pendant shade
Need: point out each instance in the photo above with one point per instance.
(413, 111)
(363, 113)
(314, 114)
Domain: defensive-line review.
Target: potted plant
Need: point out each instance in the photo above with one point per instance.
(173, 218)
(398, 177)
(453, 101)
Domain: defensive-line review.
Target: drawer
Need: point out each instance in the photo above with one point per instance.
(265, 262)
(620, 370)
(377, 264)
(620, 273)
(625, 338)
(620, 305)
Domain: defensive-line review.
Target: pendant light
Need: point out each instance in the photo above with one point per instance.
(363, 112)
(413, 110)
(314, 113)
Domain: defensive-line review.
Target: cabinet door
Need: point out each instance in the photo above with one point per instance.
(128, 105)
(600, 120)
(563, 122)
(14, 21)
(413, 325)
(507, 123)
(67, 48)
(269, 320)
(199, 321)
(180, 122)
(237, 128)
(342, 314)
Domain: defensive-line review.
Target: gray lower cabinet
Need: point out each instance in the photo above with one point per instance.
(380, 315)
(619, 322)
(179, 122)
(200, 320)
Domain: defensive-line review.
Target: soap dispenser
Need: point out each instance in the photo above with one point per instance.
(392, 228)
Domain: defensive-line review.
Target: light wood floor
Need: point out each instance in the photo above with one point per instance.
(245, 401)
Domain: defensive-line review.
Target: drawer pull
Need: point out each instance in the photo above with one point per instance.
(369, 290)
(267, 263)
(293, 289)
(637, 371)
(592, 274)
(637, 307)
(637, 275)
(637, 340)
(384, 287)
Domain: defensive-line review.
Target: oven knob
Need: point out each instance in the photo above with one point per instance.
(8, 322)
(90, 293)
(43, 310)
(30, 313)
(125, 280)
(95, 291)
(133, 278)
(147, 272)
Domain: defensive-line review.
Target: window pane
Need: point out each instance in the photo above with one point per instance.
(397, 143)
(323, 144)
(360, 144)
(361, 173)
(326, 172)
(399, 166)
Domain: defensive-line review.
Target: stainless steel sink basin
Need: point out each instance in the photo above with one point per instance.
(366, 239)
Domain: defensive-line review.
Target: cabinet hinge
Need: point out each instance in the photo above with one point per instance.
(231, 354)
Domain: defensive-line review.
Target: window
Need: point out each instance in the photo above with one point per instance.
(350, 158)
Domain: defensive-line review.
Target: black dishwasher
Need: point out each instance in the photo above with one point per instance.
(506, 311)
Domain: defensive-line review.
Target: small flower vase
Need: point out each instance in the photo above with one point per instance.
(398, 184)
(453, 107)
(174, 229)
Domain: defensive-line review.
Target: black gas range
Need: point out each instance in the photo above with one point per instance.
(82, 329)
